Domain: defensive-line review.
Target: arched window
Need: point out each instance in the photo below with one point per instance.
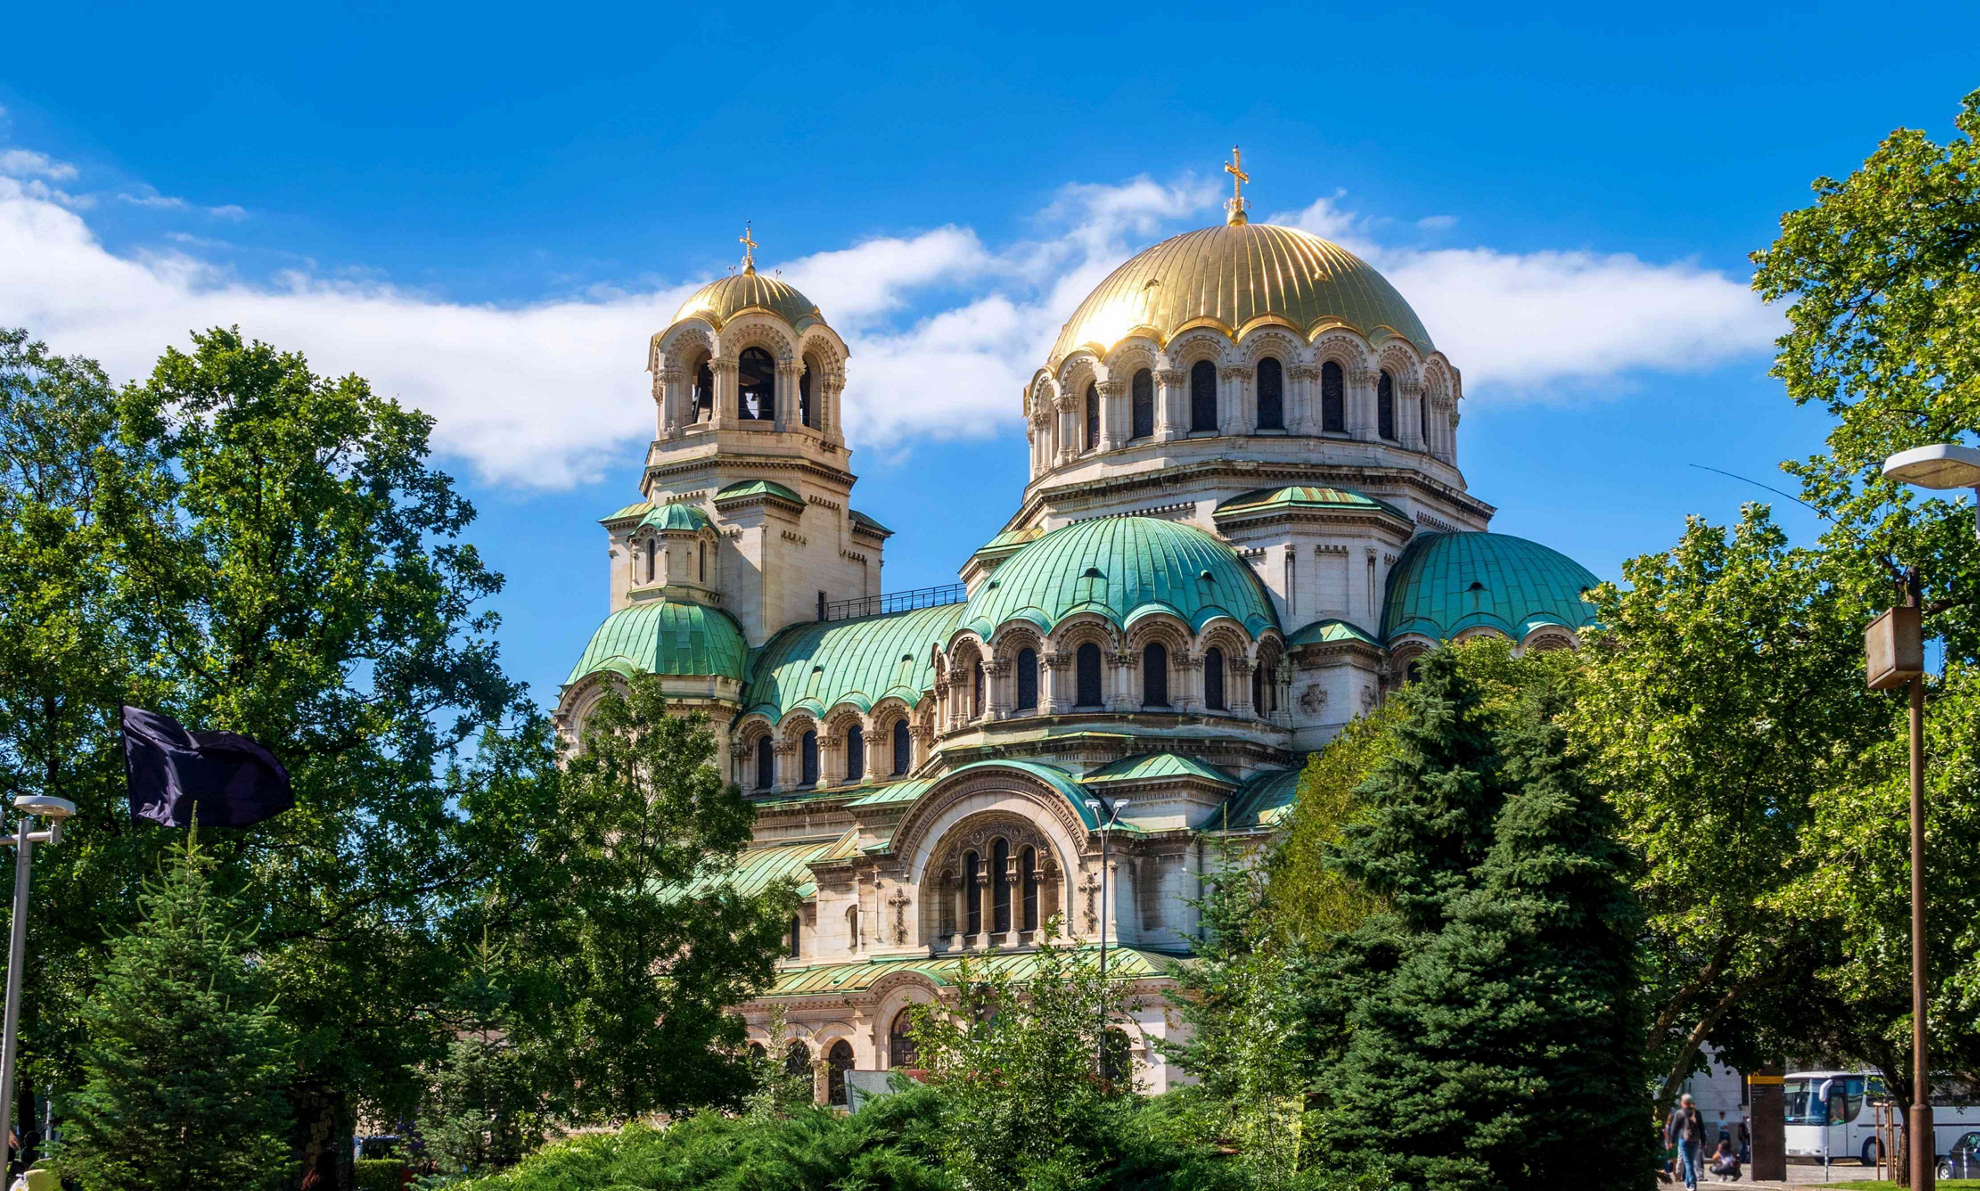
(766, 765)
(976, 692)
(1203, 396)
(804, 396)
(797, 1058)
(852, 927)
(704, 392)
(1143, 388)
(900, 1041)
(855, 753)
(1155, 676)
(795, 940)
(838, 1061)
(1028, 874)
(1333, 398)
(1027, 680)
(1000, 886)
(1213, 679)
(756, 385)
(808, 751)
(1092, 416)
(1086, 663)
(1116, 1056)
(1271, 395)
(972, 894)
(903, 748)
(1385, 405)
(652, 558)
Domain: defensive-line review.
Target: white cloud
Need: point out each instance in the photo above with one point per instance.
(1437, 223)
(26, 163)
(944, 329)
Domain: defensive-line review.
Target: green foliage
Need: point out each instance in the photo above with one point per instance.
(1310, 898)
(1483, 1032)
(621, 983)
(186, 1058)
(377, 1174)
(482, 1109)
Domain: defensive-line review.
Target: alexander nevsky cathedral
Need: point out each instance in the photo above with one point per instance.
(1245, 519)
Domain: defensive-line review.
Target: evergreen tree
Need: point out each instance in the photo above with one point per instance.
(482, 1110)
(186, 1058)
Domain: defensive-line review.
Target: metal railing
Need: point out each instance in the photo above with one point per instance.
(897, 601)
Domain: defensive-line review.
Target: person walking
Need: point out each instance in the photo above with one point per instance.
(1686, 1131)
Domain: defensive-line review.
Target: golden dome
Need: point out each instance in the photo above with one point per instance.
(726, 297)
(1232, 275)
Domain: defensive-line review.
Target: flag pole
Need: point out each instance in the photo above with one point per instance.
(24, 839)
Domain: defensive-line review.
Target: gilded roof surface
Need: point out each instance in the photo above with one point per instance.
(1446, 583)
(1305, 496)
(725, 297)
(665, 637)
(1123, 963)
(1231, 275)
(820, 664)
(1122, 568)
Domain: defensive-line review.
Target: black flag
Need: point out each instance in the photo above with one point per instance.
(233, 780)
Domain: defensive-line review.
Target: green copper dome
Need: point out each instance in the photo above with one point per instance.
(664, 637)
(818, 665)
(1445, 583)
(1123, 568)
(678, 517)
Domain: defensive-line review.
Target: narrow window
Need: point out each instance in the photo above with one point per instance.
(1271, 688)
(766, 768)
(1333, 398)
(855, 753)
(804, 396)
(1092, 416)
(903, 748)
(796, 939)
(1155, 676)
(1028, 873)
(1000, 886)
(810, 764)
(1423, 418)
(972, 895)
(1027, 680)
(900, 1041)
(838, 1061)
(701, 562)
(1213, 679)
(1143, 388)
(1385, 405)
(1203, 396)
(704, 393)
(756, 385)
(976, 692)
(852, 927)
(1087, 663)
(1271, 395)
(652, 552)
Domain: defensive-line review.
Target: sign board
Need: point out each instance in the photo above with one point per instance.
(1769, 1117)
(1893, 649)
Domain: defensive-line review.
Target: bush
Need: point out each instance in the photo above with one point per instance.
(377, 1174)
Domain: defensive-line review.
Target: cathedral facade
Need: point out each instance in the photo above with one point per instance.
(1245, 518)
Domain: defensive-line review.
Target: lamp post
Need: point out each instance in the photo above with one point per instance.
(1106, 831)
(1896, 654)
(25, 837)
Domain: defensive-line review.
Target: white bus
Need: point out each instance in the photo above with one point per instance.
(1815, 1133)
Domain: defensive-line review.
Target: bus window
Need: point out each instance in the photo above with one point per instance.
(1806, 1101)
(1852, 1089)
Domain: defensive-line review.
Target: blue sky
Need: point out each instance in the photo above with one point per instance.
(487, 210)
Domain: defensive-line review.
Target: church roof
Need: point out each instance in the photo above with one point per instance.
(744, 489)
(817, 665)
(1445, 583)
(1265, 800)
(676, 517)
(1123, 568)
(1324, 632)
(1150, 766)
(725, 297)
(665, 637)
(1123, 963)
(1231, 276)
(1304, 496)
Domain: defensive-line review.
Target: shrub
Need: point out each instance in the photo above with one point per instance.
(377, 1174)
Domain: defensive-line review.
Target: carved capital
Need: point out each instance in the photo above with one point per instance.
(998, 667)
(672, 376)
(1129, 660)
(1169, 377)
(1304, 372)
(1238, 372)
(1058, 659)
(1112, 388)
(1362, 376)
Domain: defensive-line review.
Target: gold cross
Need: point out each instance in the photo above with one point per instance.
(1238, 178)
(749, 250)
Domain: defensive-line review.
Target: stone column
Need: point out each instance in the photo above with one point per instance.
(1409, 415)
(1057, 697)
(1069, 439)
(1168, 396)
(1233, 414)
(667, 395)
(723, 370)
(1237, 691)
(828, 409)
(1125, 698)
(787, 395)
(1113, 425)
(997, 677)
(1361, 417)
(1303, 397)
(924, 740)
(1188, 697)
(789, 767)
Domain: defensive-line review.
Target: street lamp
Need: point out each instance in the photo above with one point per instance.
(1895, 654)
(1106, 831)
(25, 837)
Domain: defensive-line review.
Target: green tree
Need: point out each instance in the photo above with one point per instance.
(630, 944)
(1308, 897)
(186, 1056)
(483, 1108)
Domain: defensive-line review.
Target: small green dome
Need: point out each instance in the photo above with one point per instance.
(1445, 583)
(1123, 568)
(679, 517)
(665, 637)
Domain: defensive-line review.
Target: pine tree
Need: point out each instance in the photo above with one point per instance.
(482, 1110)
(186, 1058)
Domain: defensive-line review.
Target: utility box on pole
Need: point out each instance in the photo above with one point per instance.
(1894, 649)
